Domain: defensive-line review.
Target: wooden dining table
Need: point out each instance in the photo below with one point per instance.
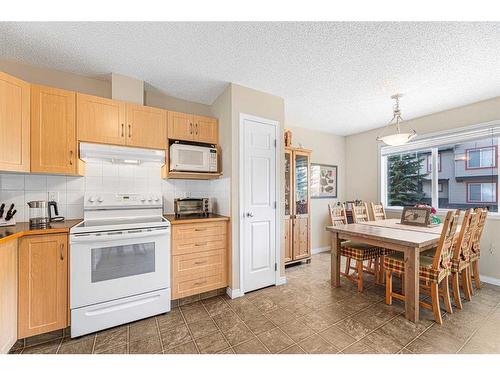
(389, 234)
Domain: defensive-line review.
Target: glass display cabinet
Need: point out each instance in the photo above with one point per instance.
(297, 205)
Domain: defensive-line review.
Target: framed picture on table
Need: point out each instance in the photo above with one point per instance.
(323, 181)
(419, 216)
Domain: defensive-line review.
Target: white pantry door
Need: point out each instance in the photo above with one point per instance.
(258, 204)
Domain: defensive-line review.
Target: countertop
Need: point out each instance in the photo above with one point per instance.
(23, 229)
(194, 219)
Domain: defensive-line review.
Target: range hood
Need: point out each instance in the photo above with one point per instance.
(120, 154)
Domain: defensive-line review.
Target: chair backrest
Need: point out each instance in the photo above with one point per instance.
(360, 213)
(377, 211)
(476, 239)
(442, 258)
(337, 214)
(461, 248)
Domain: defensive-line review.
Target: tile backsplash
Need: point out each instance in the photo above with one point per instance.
(20, 188)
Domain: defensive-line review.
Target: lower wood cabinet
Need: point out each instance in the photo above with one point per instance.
(199, 258)
(8, 295)
(288, 240)
(43, 284)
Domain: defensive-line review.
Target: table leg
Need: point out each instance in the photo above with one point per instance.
(412, 292)
(335, 259)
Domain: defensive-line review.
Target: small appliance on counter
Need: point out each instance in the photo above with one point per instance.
(8, 219)
(191, 206)
(55, 216)
(38, 214)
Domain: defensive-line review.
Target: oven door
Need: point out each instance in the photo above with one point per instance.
(116, 264)
(189, 158)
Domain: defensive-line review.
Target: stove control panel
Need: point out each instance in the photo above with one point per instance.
(122, 200)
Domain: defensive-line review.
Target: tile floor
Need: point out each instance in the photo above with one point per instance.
(304, 316)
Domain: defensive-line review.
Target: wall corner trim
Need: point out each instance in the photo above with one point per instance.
(234, 293)
(490, 280)
(318, 250)
(281, 281)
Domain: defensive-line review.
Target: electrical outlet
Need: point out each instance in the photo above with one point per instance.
(492, 248)
(53, 196)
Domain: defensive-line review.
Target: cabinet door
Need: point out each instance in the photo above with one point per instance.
(100, 120)
(180, 126)
(288, 240)
(206, 130)
(53, 130)
(301, 248)
(14, 124)
(8, 295)
(43, 284)
(146, 126)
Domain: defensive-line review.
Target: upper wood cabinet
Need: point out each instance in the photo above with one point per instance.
(14, 124)
(110, 121)
(146, 126)
(186, 127)
(100, 120)
(53, 130)
(8, 295)
(43, 284)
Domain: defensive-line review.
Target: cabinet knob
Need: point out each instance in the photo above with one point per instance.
(71, 157)
(129, 131)
(122, 129)
(61, 251)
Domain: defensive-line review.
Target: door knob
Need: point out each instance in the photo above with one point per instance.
(249, 214)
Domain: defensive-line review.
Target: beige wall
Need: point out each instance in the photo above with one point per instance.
(326, 148)
(362, 166)
(94, 86)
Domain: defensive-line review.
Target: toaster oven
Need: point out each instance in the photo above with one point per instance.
(191, 206)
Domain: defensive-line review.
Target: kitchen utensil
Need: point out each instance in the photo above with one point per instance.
(2, 209)
(38, 214)
(10, 215)
(10, 209)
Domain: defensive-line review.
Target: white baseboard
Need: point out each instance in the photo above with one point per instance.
(320, 250)
(281, 280)
(489, 280)
(234, 293)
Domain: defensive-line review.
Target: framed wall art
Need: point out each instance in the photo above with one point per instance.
(323, 181)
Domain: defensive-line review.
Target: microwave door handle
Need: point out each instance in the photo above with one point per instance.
(118, 237)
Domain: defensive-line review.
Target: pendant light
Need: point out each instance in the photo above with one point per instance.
(398, 138)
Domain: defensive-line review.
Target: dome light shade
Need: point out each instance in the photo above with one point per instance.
(397, 138)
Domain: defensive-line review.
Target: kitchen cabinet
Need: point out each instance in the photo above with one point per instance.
(53, 131)
(100, 120)
(14, 124)
(109, 121)
(43, 284)
(146, 127)
(8, 295)
(199, 257)
(297, 205)
(186, 127)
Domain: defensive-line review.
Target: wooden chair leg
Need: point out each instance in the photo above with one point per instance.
(456, 290)
(446, 295)
(375, 273)
(347, 265)
(359, 266)
(469, 280)
(475, 268)
(465, 284)
(435, 303)
(381, 270)
(388, 287)
(403, 284)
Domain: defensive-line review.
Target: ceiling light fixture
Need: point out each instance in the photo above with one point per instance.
(397, 138)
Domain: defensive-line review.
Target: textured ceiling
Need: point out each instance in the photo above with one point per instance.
(335, 77)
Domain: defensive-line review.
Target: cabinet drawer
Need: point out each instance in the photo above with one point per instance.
(192, 245)
(198, 231)
(193, 264)
(204, 280)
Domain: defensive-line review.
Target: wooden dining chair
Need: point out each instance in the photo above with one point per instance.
(377, 211)
(460, 259)
(433, 271)
(352, 250)
(475, 252)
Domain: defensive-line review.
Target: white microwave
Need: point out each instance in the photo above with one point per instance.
(191, 158)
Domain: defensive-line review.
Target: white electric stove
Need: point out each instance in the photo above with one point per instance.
(119, 263)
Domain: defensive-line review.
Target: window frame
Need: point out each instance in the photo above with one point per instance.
(432, 142)
(429, 163)
(467, 158)
(467, 191)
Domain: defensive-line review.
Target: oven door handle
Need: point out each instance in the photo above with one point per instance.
(125, 235)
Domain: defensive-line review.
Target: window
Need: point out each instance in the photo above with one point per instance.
(429, 163)
(484, 157)
(466, 176)
(482, 192)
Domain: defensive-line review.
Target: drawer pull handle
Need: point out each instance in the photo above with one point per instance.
(200, 262)
(201, 244)
(200, 283)
(199, 230)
